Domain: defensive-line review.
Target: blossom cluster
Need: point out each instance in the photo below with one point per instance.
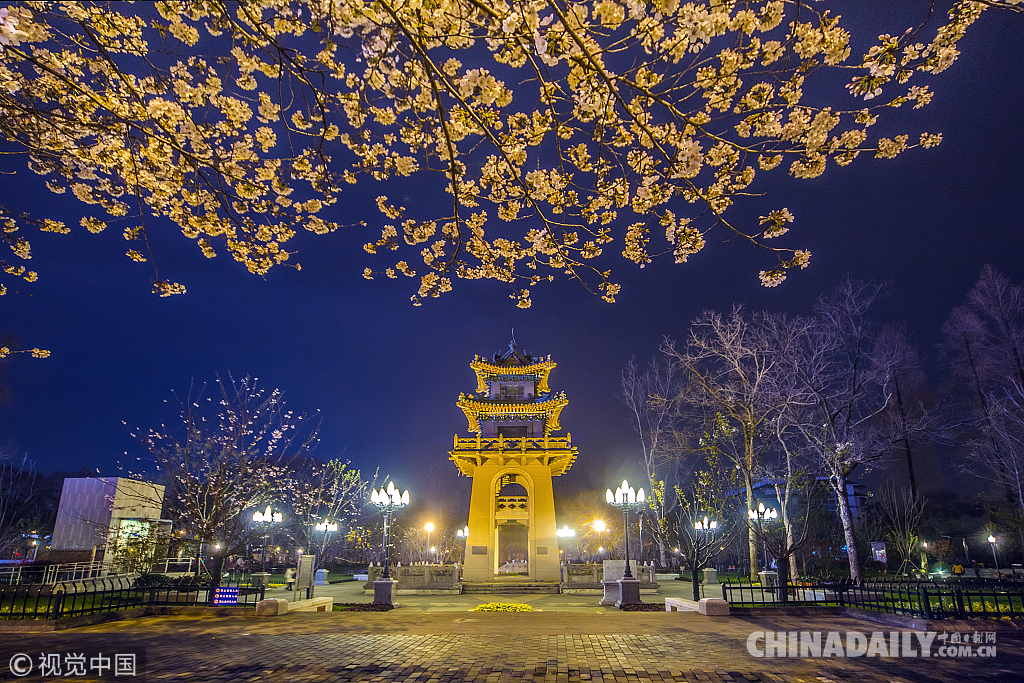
(243, 123)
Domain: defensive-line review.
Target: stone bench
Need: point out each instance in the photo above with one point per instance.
(713, 607)
(678, 605)
(273, 607)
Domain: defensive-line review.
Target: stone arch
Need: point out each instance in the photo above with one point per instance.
(514, 527)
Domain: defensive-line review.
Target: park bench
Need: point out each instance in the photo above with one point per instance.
(678, 605)
(272, 607)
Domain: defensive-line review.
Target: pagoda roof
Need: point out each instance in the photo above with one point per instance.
(512, 364)
(547, 410)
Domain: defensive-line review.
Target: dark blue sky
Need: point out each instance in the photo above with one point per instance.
(385, 374)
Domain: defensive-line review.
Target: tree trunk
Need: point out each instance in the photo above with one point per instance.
(839, 486)
(751, 536)
(216, 569)
(783, 564)
(791, 542)
(696, 582)
(906, 441)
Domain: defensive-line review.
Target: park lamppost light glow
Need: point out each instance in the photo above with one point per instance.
(705, 525)
(992, 542)
(429, 526)
(328, 528)
(626, 499)
(388, 500)
(565, 532)
(267, 517)
(759, 515)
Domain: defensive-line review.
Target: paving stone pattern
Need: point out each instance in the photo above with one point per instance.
(550, 647)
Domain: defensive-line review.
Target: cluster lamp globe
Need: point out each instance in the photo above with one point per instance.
(626, 499)
(388, 500)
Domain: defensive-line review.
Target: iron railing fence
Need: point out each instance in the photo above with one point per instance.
(51, 573)
(110, 594)
(937, 599)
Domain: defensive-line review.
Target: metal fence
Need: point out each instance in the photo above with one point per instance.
(942, 599)
(51, 573)
(110, 594)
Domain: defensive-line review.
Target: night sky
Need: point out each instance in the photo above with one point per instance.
(385, 375)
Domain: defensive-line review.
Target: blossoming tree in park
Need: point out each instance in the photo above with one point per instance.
(559, 129)
(225, 456)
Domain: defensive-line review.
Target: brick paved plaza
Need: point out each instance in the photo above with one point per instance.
(410, 644)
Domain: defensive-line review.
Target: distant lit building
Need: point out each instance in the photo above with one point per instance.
(95, 512)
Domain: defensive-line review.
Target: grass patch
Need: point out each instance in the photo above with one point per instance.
(361, 607)
(503, 607)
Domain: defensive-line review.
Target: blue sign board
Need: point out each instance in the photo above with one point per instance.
(225, 595)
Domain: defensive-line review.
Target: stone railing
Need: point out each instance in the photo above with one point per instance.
(589, 576)
(425, 579)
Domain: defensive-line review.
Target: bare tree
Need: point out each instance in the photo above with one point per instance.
(984, 343)
(733, 370)
(17, 489)
(901, 511)
(844, 391)
(651, 396)
(908, 416)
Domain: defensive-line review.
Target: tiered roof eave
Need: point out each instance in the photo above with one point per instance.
(487, 371)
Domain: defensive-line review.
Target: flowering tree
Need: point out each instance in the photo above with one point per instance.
(588, 124)
(324, 494)
(704, 519)
(225, 458)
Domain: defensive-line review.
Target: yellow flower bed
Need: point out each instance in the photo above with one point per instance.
(503, 607)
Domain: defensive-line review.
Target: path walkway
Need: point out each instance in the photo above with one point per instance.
(440, 641)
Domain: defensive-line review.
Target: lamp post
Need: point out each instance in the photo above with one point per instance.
(565, 532)
(760, 515)
(328, 527)
(388, 500)
(992, 542)
(626, 499)
(463, 533)
(267, 517)
(429, 527)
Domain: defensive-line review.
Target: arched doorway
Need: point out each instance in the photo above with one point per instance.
(512, 516)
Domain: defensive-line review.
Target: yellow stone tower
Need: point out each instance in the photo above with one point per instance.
(511, 460)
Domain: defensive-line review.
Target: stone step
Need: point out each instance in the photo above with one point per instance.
(510, 587)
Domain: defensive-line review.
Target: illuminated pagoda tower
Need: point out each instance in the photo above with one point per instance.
(511, 459)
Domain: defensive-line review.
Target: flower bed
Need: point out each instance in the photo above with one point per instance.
(503, 607)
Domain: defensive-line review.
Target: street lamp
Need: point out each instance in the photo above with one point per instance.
(760, 515)
(429, 527)
(463, 533)
(267, 517)
(565, 532)
(388, 501)
(992, 542)
(328, 528)
(705, 525)
(626, 499)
